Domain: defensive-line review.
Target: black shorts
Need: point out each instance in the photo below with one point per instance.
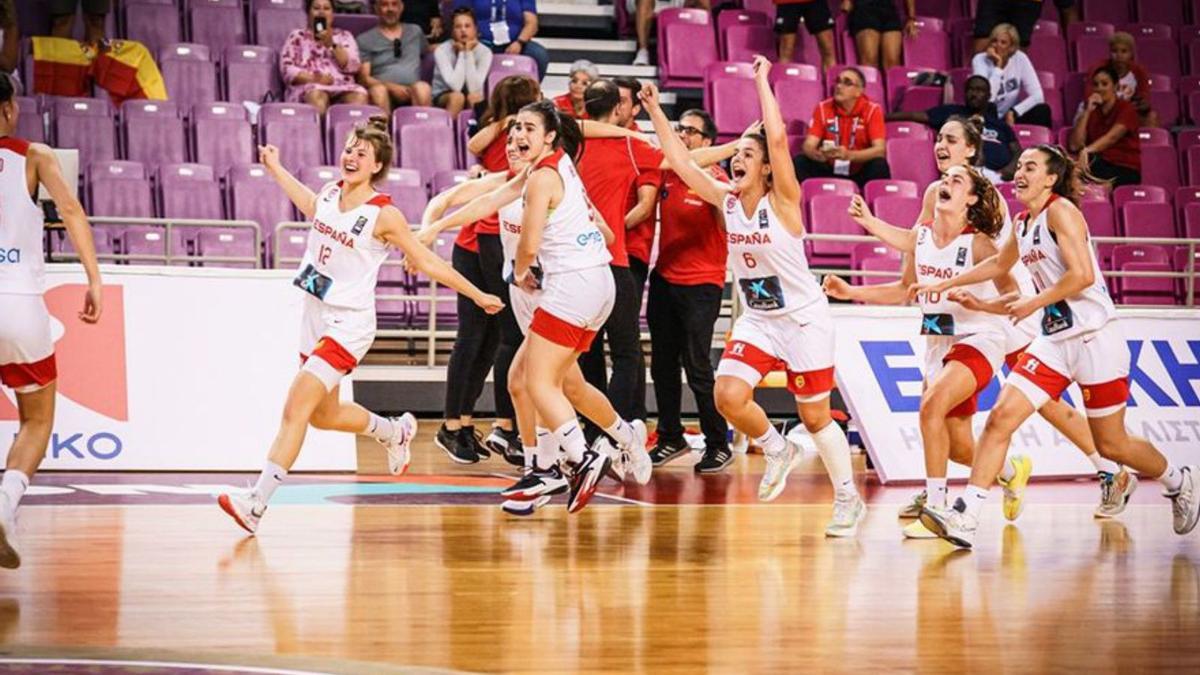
(1020, 13)
(64, 7)
(877, 15)
(817, 18)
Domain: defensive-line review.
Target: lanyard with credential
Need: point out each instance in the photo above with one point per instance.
(503, 5)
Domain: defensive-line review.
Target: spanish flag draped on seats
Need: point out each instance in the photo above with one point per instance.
(125, 69)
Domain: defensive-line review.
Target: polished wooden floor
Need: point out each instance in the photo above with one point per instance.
(621, 587)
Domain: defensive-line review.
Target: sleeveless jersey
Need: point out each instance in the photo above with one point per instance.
(510, 216)
(571, 240)
(1083, 313)
(941, 315)
(769, 264)
(22, 259)
(342, 259)
(1022, 333)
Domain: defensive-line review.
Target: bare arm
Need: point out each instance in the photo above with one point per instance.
(530, 27)
(708, 188)
(899, 238)
(986, 270)
(647, 196)
(479, 207)
(983, 248)
(1078, 137)
(785, 188)
(1107, 140)
(298, 192)
(48, 173)
(1067, 223)
(542, 185)
(484, 137)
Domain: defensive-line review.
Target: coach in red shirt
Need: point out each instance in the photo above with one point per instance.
(846, 137)
(685, 299)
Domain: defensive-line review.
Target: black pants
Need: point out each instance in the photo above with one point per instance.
(807, 168)
(1119, 175)
(474, 346)
(624, 346)
(640, 270)
(1040, 114)
(681, 333)
(491, 258)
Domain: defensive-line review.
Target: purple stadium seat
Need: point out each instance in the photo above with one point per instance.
(188, 191)
(875, 258)
(1181, 265)
(392, 281)
(811, 187)
(120, 189)
(1087, 50)
(1031, 134)
(222, 136)
(317, 177)
(190, 76)
(152, 132)
(1049, 52)
(1127, 253)
(86, 124)
(1159, 55)
(290, 243)
(930, 48)
(340, 120)
(899, 210)
(251, 73)
(153, 23)
(428, 148)
(1166, 104)
(1106, 10)
(447, 307)
(273, 24)
(444, 180)
(1072, 93)
(1139, 193)
(419, 115)
(1148, 219)
(1160, 167)
(277, 4)
(255, 196)
(296, 129)
(743, 42)
(741, 19)
(1146, 290)
(1147, 30)
(899, 78)
(504, 65)
(1078, 29)
(887, 187)
(686, 43)
(1166, 11)
(912, 159)
(829, 216)
(416, 116)
(1184, 197)
(217, 23)
(465, 125)
(30, 122)
(798, 89)
(1101, 222)
(406, 187)
(730, 96)
(1046, 27)
(961, 40)
(909, 130)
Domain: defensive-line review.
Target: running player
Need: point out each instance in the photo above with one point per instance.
(963, 347)
(354, 228)
(787, 316)
(1080, 341)
(27, 364)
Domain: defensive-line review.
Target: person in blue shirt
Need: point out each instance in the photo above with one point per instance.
(508, 26)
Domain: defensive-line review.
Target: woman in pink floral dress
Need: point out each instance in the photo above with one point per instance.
(318, 66)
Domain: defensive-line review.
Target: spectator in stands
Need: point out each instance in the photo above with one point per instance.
(1134, 82)
(391, 67)
(644, 21)
(876, 26)
(846, 136)
(462, 65)
(625, 114)
(10, 42)
(509, 26)
(1105, 133)
(583, 74)
(318, 63)
(1000, 146)
(817, 19)
(62, 14)
(1022, 14)
(1011, 74)
(428, 15)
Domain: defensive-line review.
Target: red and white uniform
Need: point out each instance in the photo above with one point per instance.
(26, 345)
(338, 275)
(953, 332)
(577, 287)
(1017, 337)
(523, 302)
(1079, 340)
(786, 315)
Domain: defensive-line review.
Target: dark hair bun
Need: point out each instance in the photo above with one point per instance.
(378, 122)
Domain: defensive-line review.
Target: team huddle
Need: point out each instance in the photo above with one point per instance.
(992, 289)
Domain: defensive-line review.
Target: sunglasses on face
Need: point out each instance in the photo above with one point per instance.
(690, 131)
(397, 48)
(847, 82)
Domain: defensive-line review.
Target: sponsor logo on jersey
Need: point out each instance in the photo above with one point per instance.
(359, 225)
(961, 259)
(329, 231)
(753, 239)
(10, 256)
(764, 222)
(588, 238)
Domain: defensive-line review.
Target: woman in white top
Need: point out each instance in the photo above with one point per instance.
(1080, 341)
(461, 65)
(1016, 90)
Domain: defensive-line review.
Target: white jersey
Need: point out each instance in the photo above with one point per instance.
(571, 239)
(1021, 334)
(941, 315)
(769, 264)
(22, 227)
(1082, 313)
(510, 216)
(342, 259)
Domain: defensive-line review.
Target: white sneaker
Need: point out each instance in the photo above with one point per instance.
(515, 507)
(953, 524)
(245, 510)
(779, 465)
(636, 457)
(1185, 504)
(617, 461)
(913, 508)
(848, 511)
(1115, 491)
(398, 454)
(915, 530)
(9, 558)
(642, 58)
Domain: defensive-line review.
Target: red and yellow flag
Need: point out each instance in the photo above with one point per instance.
(125, 69)
(61, 67)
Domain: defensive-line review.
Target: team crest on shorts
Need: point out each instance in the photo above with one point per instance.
(1087, 394)
(799, 381)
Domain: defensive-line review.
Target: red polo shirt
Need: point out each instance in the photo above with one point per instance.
(691, 237)
(609, 168)
(1127, 150)
(639, 239)
(852, 130)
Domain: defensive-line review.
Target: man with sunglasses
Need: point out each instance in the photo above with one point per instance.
(846, 136)
(391, 60)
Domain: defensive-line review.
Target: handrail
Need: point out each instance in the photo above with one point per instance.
(168, 224)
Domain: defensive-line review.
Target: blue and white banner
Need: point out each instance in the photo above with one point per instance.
(879, 362)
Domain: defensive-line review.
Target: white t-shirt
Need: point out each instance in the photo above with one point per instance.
(1009, 83)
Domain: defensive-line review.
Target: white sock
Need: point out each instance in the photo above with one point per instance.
(1172, 479)
(570, 439)
(271, 477)
(974, 497)
(13, 486)
(1105, 465)
(835, 452)
(380, 428)
(1007, 471)
(621, 432)
(771, 442)
(935, 492)
(546, 451)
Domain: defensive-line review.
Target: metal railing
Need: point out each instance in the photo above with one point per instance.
(169, 256)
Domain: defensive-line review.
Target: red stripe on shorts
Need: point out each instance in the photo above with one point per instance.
(750, 355)
(560, 332)
(975, 361)
(329, 351)
(1047, 379)
(23, 375)
(1105, 394)
(1010, 360)
(810, 383)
